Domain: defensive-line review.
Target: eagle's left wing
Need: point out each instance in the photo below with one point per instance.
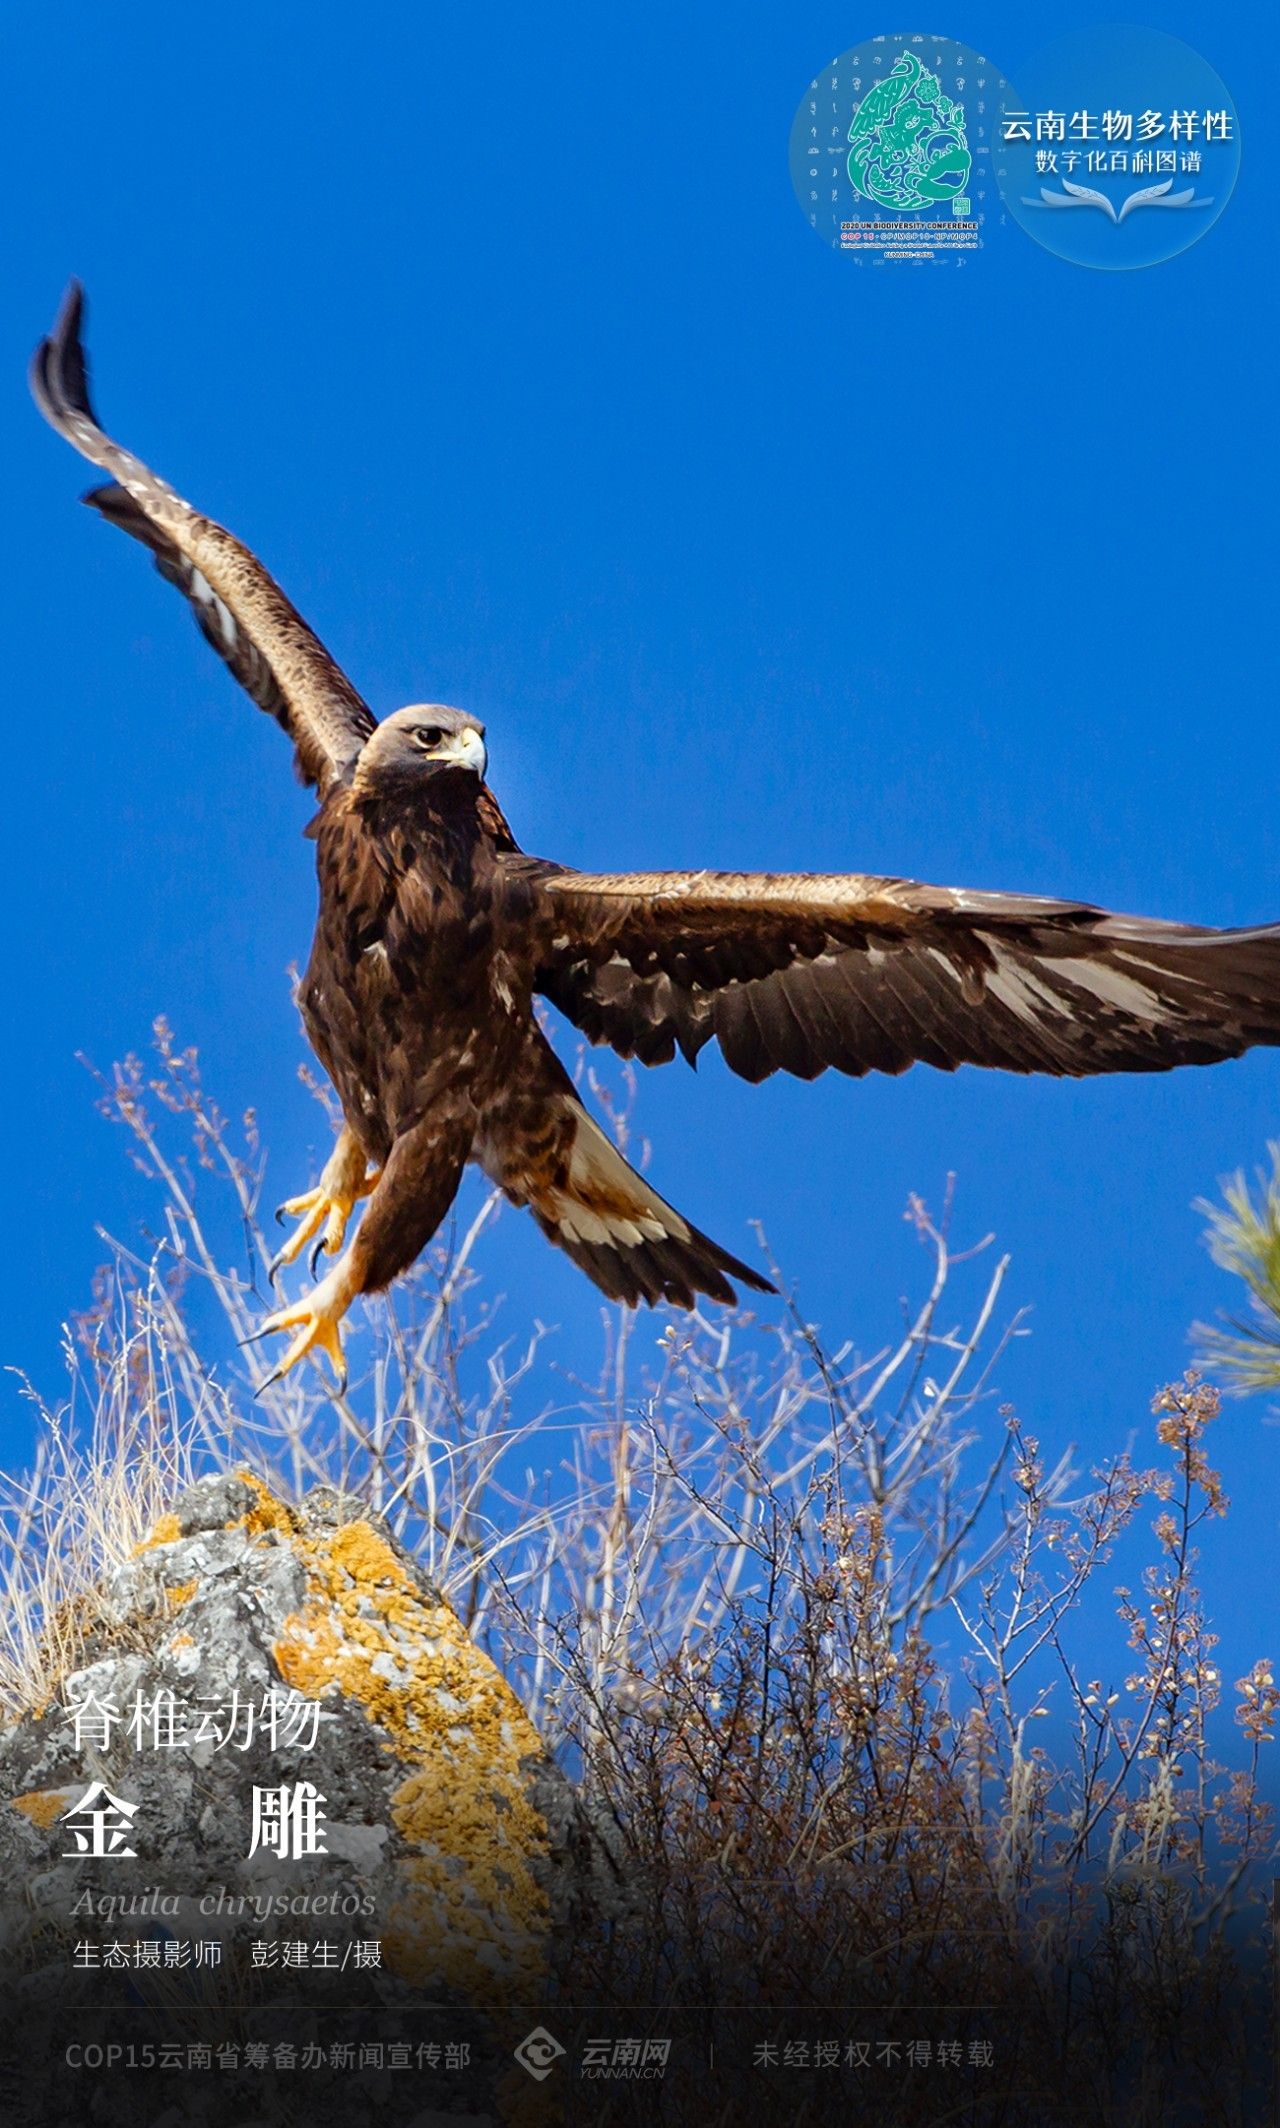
(240, 608)
(800, 972)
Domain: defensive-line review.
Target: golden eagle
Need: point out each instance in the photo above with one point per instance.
(435, 934)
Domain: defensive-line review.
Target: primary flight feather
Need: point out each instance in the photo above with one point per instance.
(435, 934)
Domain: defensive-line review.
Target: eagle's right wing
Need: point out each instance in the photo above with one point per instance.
(798, 972)
(240, 608)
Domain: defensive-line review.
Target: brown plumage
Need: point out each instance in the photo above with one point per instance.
(435, 934)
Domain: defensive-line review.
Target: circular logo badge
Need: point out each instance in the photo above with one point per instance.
(892, 149)
(1122, 150)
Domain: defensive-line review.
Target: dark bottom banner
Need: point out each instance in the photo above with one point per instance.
(141, 2053)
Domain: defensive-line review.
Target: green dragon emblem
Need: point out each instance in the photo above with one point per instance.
(909, 148)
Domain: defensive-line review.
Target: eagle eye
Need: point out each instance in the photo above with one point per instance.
(428, 735)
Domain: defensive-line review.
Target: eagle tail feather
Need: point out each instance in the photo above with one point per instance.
(613, 1224)
(629, 1240)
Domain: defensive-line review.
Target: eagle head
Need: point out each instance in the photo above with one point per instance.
(420, 741)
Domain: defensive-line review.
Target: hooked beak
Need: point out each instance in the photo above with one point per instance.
(466, 749)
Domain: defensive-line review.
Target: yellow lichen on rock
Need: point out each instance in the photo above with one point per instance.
(166, 1530)
(267, 1513)
(473, 1913)
(44, 1806)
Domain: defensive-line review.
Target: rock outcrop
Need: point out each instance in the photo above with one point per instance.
(265, 1678)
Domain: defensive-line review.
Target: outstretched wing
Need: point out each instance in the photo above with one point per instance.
(240, 608)
(798, 973)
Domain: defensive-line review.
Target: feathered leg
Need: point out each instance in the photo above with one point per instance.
(412, 1194)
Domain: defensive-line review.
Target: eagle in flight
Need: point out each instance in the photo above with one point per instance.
(435, 934)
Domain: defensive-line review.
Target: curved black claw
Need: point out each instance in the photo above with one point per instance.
(281, 1213)
(317, 1251)
(277, 1264)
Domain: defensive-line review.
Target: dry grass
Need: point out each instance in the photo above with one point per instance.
(795, 1616)
(107, 1463)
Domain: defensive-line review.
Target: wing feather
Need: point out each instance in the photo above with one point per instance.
(239, 607)
(805, 972)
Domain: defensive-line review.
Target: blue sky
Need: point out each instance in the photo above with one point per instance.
(499, 335)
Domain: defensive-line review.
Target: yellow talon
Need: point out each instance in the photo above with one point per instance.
(329, 1205)
(340, 1210)
(310, 1209)
(316, 1319)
